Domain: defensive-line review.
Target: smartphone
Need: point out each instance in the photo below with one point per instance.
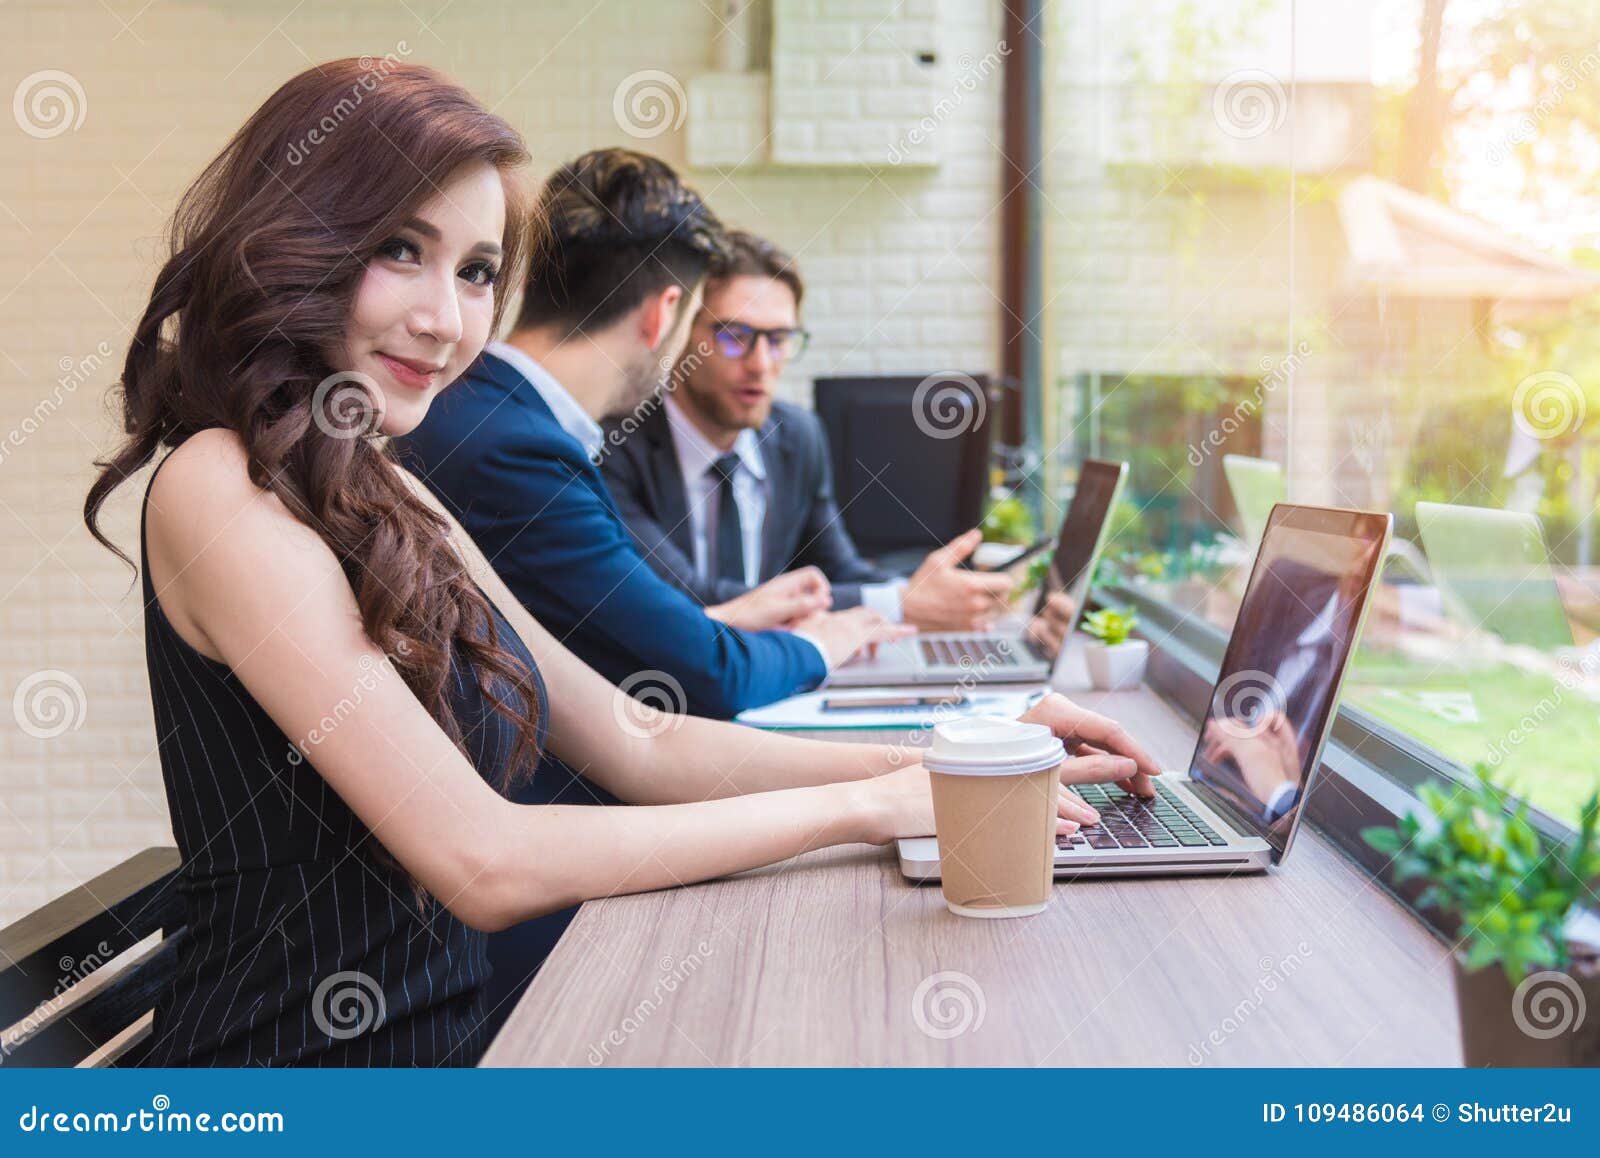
(1036, 548)
(908, 700)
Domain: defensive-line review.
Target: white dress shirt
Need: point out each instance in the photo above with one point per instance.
(696, 456)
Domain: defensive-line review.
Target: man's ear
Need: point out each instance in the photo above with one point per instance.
(659, 312)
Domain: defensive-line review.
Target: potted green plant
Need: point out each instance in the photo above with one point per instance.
(1527, 994)
(1116, 661)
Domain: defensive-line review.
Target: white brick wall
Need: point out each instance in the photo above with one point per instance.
(901, 262)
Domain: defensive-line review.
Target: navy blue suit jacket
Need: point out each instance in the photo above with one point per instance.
(528, 494)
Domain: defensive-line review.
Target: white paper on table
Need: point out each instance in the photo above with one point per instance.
(806, 711)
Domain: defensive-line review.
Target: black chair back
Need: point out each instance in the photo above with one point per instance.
(59, 1003)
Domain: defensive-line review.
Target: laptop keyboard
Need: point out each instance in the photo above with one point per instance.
(967, 653)
(1128, 821)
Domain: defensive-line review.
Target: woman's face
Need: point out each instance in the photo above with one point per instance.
(425, 304)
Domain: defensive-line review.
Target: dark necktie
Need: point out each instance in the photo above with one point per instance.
(730, 535)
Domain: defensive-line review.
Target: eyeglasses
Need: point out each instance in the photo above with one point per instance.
(737, 340)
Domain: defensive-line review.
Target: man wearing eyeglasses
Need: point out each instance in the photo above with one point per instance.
(726, 488)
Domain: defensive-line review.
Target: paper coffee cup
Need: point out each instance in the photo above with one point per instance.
(994, 810)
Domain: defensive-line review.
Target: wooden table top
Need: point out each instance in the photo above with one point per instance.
(832, 958)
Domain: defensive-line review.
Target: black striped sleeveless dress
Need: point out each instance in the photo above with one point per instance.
(304, 948)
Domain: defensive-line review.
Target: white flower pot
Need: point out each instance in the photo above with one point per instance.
(1114, 669)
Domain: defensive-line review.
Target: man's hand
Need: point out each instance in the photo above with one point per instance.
(780, 602)
(1048, 629)
(1100, 747)
(941, 596)
(841, 634)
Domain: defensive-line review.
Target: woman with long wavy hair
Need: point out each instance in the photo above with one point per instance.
(342, 687)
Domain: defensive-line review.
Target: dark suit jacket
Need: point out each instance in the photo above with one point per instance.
(525, 490)
(802, 525)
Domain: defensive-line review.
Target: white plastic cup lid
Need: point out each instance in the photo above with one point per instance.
(992, 746)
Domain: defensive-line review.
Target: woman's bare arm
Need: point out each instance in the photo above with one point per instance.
(643, 756)
(248, 584)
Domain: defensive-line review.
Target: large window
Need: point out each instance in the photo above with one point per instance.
(1346, 254)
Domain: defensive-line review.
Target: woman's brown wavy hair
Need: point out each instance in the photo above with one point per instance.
(268, 247)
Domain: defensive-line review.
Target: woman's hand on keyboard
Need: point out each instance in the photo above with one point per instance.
(1098, 748)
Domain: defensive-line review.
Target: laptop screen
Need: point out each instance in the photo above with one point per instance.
(1262, 737)
(1082, 530)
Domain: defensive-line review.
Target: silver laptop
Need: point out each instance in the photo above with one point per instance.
(1260, 745)
(950, 658)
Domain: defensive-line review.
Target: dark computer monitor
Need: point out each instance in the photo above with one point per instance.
(910, 456)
